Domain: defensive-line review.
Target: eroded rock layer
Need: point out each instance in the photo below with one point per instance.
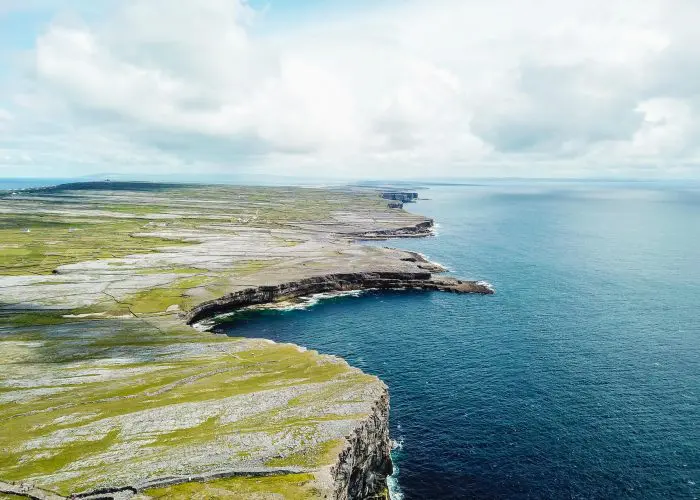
(421, 280)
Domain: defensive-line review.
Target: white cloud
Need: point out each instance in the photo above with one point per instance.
(448, 87)
(667, 128)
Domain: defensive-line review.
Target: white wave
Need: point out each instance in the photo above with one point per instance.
(296, 304)
(428, 259)
(395, 492)
(304, 302)
(204, 326)
(486, 284)
(446, 268)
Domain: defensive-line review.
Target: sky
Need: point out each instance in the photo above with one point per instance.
(351, 89)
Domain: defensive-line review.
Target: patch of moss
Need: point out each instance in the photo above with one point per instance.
(59, 458)
(39, 318)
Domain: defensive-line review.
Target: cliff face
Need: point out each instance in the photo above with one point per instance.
(404, 196)
(422, 280)
(417, 230)
(363, 467)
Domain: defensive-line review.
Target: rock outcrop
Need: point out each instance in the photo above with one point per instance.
(363, 467)
(403, 196)
(418, 230)
(332, 283)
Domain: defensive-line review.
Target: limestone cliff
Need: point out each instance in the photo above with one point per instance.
(381, 280)
(363, 467)
(418, 230)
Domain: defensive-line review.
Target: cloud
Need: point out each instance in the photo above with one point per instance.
(450, 87)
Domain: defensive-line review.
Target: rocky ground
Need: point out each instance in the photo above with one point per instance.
(103, 386)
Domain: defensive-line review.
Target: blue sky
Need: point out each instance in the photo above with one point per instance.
(19, 29)
(393, 88)
(22, 22)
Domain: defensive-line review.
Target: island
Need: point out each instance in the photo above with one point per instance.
(111, 388)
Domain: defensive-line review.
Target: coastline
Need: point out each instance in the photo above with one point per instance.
(270, 294)
(321, 258)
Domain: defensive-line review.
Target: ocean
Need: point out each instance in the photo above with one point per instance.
(578, 379)
(16, 183)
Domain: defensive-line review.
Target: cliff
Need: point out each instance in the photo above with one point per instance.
(364, 465)
(403, 196)
(418, 230)
(381, 280)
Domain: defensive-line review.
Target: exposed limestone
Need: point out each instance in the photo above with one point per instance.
(107, 393)
(402, 196)
(382, 280)
(418, 230)
(364, 465)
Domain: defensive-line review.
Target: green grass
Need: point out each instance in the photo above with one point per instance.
(287, 487)
(50, 244)
(252, 266)
(157, 300)
(288, 242)
(57, 239)
(137, 209)
(170, 270)
(215, 377)
(28, 319)
(321, 454)
(66, 455)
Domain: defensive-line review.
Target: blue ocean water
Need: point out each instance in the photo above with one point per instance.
(579, 379)
(10, 184)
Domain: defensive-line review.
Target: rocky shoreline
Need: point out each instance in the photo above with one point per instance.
(332, 283)
(419, 230)
(365, 464)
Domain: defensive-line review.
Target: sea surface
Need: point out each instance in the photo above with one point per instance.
(11, 184)
(579, 379)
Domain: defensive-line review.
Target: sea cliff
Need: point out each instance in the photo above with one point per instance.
(380, 280)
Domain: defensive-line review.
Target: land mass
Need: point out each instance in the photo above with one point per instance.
(107, 392)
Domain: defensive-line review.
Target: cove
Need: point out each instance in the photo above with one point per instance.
(579, 378)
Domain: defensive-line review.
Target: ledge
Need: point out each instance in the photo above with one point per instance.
(332, 283)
